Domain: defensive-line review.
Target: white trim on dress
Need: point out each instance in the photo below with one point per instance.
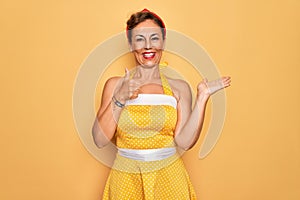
(147, 154)
(153, 99)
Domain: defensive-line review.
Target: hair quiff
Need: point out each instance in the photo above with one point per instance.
(141, 16)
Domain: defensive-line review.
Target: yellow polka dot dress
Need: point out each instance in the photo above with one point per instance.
(148, 123)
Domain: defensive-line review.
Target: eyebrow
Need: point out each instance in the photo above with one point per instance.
(144, 36)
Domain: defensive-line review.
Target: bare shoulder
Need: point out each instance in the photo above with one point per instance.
(113, 79)
(110, 86)
(112, 82)
(178, 82)
(180, 87)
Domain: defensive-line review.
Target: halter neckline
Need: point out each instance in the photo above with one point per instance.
(165, 83)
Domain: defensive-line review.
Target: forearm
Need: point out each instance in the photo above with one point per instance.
(105, 125)
(188, 133)
(191, 130)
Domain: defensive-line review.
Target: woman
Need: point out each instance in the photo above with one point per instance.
(151, 117)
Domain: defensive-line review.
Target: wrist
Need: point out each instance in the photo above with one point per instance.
(120, 98)
(202, 98)
(117, 102)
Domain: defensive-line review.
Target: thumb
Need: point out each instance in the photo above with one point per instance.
(127, 74)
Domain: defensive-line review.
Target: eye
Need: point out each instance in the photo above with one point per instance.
(139, 39)
(155, 38)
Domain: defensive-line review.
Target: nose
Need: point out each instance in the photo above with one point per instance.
(148, 44)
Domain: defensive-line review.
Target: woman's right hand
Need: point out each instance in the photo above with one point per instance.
(129, 88)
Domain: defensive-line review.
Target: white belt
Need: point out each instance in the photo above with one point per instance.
(147, 154)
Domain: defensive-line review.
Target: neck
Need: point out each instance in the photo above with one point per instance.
(147, 73)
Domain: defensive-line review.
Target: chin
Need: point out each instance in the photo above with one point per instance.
(148, 62)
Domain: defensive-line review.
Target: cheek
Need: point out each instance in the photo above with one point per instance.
(159, 54)
(158, 45)
(137, 45)
(137, 53)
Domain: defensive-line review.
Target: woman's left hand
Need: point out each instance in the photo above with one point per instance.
(208, 88)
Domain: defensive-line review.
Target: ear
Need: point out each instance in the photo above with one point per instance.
(130, 47)
(164, 44)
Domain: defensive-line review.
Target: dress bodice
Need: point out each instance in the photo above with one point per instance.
(148, 121)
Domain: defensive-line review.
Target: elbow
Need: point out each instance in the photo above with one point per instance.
(183, 147)
(99, 145)
(100, 139)
(100, 142)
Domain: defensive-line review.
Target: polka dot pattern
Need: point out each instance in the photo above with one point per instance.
(148, 127)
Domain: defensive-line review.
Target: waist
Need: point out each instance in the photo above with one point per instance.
(147, 154)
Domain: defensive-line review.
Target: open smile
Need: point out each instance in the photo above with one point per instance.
(149, 55)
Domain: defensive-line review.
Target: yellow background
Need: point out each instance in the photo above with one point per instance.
(257, 43)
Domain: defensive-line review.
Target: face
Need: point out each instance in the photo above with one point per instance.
(147, 43)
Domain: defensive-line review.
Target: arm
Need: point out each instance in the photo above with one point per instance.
(190, 122)
(108, 114)
(106, 120)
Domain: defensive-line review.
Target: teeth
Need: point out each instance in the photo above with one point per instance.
(148, 55)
